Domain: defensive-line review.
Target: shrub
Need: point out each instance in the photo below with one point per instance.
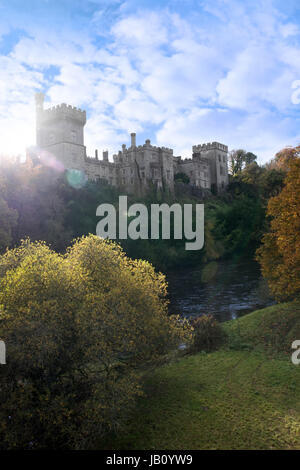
(79, 329)
(208, 334)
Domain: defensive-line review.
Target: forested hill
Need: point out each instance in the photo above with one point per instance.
(35, 203)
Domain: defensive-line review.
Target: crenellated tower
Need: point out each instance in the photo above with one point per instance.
(217, 156)
(60, 131)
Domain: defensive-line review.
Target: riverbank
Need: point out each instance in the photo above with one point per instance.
(244, 396)
(227, 289)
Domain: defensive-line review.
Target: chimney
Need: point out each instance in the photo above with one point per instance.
(96, 154)
(133, 139)
(105, 155)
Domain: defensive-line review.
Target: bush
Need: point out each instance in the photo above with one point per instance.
(79, 329)
(208, 334)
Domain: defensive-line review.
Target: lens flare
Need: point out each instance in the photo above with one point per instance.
(76, 178)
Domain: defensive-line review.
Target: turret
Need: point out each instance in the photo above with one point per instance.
(133, 139)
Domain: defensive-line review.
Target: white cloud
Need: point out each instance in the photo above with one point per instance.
(17, 86)
(147, 30)
(224, 74)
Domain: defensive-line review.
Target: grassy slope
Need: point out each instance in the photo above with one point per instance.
(245, 396)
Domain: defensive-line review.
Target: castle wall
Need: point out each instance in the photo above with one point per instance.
(197, 169)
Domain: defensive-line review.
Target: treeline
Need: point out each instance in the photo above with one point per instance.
(36, 203)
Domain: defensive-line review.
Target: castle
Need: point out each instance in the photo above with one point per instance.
(60, 132)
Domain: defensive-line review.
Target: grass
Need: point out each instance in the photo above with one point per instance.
(244, 396)
(272, 329)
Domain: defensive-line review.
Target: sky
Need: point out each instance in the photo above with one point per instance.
(178, 72)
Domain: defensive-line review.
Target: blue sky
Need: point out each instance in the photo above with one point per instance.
(178, 72)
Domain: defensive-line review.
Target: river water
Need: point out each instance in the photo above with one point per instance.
(225, 289)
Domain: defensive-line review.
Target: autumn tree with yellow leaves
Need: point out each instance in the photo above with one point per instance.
(79, 329)
(279, 254)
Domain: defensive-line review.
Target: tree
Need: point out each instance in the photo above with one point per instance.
(239, 225)
(271, 182)
(79, 329)
(238, 159)
(34, 193)
(283, 158)
(8, 218)
(182, 177)
(279, 254)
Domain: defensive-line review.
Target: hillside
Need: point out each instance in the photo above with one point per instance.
(244, 396)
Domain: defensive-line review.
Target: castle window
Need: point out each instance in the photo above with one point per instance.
(219, 158)
(224, 158)
(73, 136)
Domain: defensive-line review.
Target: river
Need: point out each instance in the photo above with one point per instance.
(225, 289)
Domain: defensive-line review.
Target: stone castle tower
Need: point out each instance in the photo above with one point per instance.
(60, 133)
(59, 130)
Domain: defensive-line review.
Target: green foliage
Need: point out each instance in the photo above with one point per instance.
(239, 159)
(44, 206)
(239, 225)
(272, 329)
(8, 218)
(78, 328)
(257, 182)
(208, 334)
(33, 194)
(183, 177)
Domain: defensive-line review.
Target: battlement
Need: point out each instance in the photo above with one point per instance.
(94, 160)
(63, 111)
(209, 146)
(146, 145)
(98, 161)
